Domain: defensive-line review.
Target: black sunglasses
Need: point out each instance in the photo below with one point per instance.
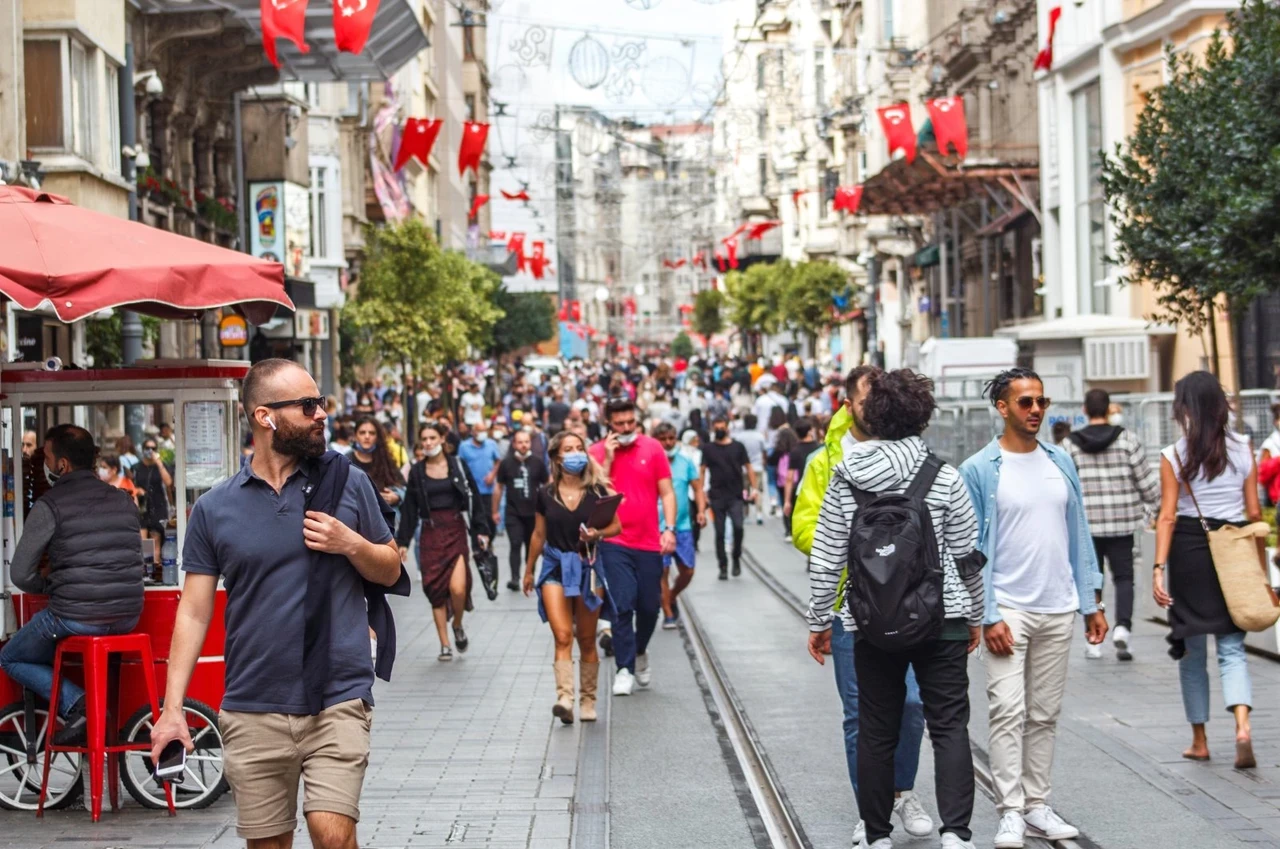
(1024, 402)
(308, 405)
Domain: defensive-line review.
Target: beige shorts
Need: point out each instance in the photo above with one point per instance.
(265, 754)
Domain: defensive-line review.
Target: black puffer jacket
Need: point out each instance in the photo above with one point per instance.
(470, 502)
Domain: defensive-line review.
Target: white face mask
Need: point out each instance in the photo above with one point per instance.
(433, 451)
(627, 438)
(104, 474)
(522, 455)
(1115, 419)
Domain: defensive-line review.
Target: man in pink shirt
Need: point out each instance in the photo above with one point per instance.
(638, 469)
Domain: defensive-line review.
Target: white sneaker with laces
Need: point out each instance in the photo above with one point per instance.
(1092, 652)
(1011, 831)
(951, 841)
(643, 675)
(859, 834)
(882, 843)
(1043, 822)
(1120, 637)
(624, 683)
(914, 819)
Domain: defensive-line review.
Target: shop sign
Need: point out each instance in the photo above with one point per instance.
(233, 331)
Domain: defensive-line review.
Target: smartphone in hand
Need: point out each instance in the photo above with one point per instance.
(172, 764)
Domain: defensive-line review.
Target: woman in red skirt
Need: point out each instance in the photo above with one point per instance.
(443, 498)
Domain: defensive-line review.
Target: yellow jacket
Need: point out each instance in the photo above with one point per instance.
(813, 486)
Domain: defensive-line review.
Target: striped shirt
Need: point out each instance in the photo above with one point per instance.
(877, 467)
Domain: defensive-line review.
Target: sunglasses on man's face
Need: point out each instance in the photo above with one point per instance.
(1025, 402)
(308, 405)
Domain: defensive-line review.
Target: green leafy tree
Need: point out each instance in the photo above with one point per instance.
(1195, 191)
(708, 313)
(682, 346)
(528, 318)
(418, 305)
(806, 298)
(103, 340)
(755, 301)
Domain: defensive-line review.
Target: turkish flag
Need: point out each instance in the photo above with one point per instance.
(471, 149)
(731, 250)
(497, 235)
(742, 228)
(949, 126)
(758, 230)
(418, 138)
(537, 261)
(795, 196)
(896, 123)
(720, 261)
(520, 195)
(477, 202)
(515, 245)
(848, 198)
(352, 20)
(1044, 59)
(700, 260)
(283, 19)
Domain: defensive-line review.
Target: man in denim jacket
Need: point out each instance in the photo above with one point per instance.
(1041, 569)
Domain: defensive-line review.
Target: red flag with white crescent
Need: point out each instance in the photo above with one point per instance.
(477, 202)
(352, 20)
(848, 198)
(1044, 59)
(949, 126)
(896, 122)
(283, 19)
(418, 138)
(474, 135)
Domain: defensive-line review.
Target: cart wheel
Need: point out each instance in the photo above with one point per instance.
(203, 782)
(20, 780)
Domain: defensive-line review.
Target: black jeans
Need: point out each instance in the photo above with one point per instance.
(730, 507)
(1118, 551)
(942, 672)
(519, 535)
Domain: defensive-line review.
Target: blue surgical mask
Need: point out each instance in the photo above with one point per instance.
(575, 462)
(366, 451)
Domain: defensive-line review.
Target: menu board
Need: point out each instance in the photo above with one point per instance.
(204, 442)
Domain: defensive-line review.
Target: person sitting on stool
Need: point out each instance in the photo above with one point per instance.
(90, 531)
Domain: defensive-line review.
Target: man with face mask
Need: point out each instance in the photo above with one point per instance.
(90, 531)
(482, 457)
(519, 475)
(724, 462)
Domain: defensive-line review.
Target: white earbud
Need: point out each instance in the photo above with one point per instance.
(270, 423)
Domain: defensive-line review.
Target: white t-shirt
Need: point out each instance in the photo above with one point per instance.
(1222, 497)
(1271, 444)
(472, 407)
(1032, 570)
(753, 441)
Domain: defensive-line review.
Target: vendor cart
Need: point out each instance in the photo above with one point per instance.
(200, 399)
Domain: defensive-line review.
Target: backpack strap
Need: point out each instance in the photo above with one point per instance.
(925, 476)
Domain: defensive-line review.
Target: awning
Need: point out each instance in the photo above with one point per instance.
(396, 37)
(1080, 326)
(925, 257)
(928, 185)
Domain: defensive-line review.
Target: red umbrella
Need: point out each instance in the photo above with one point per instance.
(80, 262)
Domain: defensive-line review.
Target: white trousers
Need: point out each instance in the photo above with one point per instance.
(1024, 693)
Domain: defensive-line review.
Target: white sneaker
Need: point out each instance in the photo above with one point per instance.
(1043, 822)
(914, 820)
(859, 834)
(882, 843)
(624, 682)
(951, 841)
(643, 675)
(1120, 636)
(1010, 833)
(1092, 652)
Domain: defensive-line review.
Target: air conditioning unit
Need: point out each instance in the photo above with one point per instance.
(1116, 358)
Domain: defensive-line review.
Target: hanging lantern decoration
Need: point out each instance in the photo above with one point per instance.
(949, 127)
(474, 135)
(283, 19)
(588, 62)
(896, 123)
(352, 20)
(417, 140)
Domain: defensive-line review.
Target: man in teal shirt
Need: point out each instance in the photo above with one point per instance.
(685, 477)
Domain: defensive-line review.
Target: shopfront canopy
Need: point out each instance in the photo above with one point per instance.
(79, 262)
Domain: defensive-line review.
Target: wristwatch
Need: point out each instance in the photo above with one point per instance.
(1102, 607)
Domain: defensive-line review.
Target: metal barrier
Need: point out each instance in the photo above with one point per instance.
(962, 427)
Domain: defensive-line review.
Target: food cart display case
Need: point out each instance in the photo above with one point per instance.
(200, 398)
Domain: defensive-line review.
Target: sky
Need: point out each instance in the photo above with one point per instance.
(656, 61)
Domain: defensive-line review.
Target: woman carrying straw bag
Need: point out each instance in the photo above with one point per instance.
(1208, 480)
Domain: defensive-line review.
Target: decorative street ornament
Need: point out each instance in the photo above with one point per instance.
(477, 202)
(534, 47)
(665, 80)
(758, 230)
(417, 140)
(283, 19)
(352, 20)
(643, 5)
(520, 195)
(471, 149)
(848, 198)
(588, 62)
(949, 127)
(1044, 59)
(896, 122)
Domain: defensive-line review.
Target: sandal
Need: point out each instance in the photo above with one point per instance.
(460, 639)
(446, 654)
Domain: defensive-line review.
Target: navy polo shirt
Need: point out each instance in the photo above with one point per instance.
(250, 536)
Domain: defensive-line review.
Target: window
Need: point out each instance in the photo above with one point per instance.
(761, 61)
(319, 212)
(819, 78)
(888, 21)
(762, 124)
(468, 42)
(781, 58)
(470, 102)
(764, 173)
(113, 115)
(311, 93)
(1091, 272)
(84, 88)
(42, 63)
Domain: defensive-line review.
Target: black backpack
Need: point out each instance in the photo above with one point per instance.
(894, 587)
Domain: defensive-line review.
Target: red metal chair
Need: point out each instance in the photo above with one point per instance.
(101, 681)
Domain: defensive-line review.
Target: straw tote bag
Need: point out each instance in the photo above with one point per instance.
(1250, 599)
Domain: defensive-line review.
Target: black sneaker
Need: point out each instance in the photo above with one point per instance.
(724, 573)
(737, 568)
(460, 640)
(513, 585)
(606, 644)
(73, 733)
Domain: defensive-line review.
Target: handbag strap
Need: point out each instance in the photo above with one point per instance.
(1181, 473)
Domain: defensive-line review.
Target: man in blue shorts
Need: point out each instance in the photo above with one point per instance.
(684, 477)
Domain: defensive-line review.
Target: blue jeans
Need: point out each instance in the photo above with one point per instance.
(28, 656)
(635, 588)
(1233, 669)
(906, 758)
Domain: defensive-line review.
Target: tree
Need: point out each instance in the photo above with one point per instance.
(682, 346)
(1195, 194)
(708, 314)
(104, 342)
(806, 298)
(755, 300)
(418, 305)
(528, 318)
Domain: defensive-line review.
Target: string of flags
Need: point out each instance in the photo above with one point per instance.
(947, 117)
(287, 19)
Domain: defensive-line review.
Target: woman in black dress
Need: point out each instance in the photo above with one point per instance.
(571, 584)
(442, 496)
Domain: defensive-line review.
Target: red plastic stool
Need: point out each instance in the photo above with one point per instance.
(101, 736)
